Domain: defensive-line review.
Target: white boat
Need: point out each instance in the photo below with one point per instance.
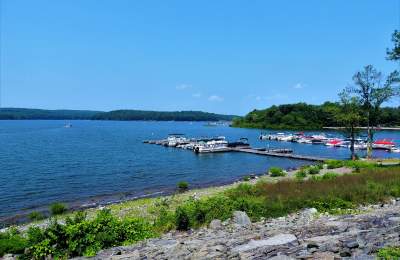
(174, 140)
(383, 144)
(216, 145)
(68, 125)
(395, 150)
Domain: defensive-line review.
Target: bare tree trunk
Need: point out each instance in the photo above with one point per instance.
(369, 138)
(353, 155)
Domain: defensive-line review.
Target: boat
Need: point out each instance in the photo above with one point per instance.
(68, 125)
(384, 144)
(218, 144)
(334, 143)
(242, 143)
(174, 140)
(395, 150)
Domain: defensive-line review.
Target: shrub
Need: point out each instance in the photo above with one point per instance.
(313, 170)
(301, 174)
(329, 176)
(389, 253)
(333, 164)
(58, 208)
(246, 178)
(182, 219)
(276, 172)
(35, 215)
(12, 242)
(183, 186)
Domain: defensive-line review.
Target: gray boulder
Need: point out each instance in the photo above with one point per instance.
(240, 218)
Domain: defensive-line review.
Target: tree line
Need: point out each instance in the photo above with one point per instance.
(124, 115)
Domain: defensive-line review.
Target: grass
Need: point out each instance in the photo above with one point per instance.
(131, 221)
(58, 209)
(389, 253)
(183, 186)
(276, 172)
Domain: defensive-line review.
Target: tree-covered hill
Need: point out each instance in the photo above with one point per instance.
(305, 116)
(26, 113)
(161, 116)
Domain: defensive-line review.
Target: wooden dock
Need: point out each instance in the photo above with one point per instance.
(276, 154)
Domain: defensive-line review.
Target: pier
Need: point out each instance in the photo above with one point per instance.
(279, 154)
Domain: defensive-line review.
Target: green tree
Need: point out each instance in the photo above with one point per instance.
(373, 90)
(394, 54)
(349, 116)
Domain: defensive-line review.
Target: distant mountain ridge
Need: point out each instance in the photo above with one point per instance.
(120, 115)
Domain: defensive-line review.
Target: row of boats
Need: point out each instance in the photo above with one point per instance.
(360, 143)
(202, 145)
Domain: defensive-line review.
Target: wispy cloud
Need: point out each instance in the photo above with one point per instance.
(299, 86)
(215, 98)
(183, 86)
(197, 95)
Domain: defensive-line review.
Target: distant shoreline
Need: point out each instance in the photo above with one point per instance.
(392, 128)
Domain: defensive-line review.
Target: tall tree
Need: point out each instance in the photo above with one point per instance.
(394, 54)
(372, 89)
(349, 115)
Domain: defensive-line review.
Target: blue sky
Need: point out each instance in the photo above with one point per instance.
(218, 56)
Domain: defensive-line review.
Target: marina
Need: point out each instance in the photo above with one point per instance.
(219, 144)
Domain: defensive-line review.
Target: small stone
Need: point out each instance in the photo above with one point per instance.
(281, 239)
(215, 224)
(313, 250)
(352, 244)
(345, 253)
(312, 245)
(281, 257)
(240, 218)
(394, 219)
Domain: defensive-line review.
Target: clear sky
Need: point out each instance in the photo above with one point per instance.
(213, 55)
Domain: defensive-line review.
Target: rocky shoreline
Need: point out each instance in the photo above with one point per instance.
(303, 235)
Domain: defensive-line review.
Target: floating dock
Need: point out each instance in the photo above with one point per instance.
(277, 153)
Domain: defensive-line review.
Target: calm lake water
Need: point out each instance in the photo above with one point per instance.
(42, 162)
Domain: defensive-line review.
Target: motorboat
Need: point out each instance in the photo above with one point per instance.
(212, 146)
(334, 143)
(174, 140)
(384, 144)
(241, 143)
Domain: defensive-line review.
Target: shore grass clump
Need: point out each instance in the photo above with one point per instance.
(334, 164)
(183, 186)
(35, 215)
(389, 253)
(313, 170)
(301, 174)
(276, 172)
(78, 236)
(58, 208)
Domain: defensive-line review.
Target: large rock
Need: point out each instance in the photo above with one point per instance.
(215, 224)
(281, 239)
(240, 218)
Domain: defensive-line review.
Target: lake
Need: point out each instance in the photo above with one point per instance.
(41, 162)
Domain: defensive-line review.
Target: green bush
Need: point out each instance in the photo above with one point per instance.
(57, 209)
(333, 164)
(389, 253)
(276, 172)
(300, 174)
(183, 186)
(35, 215)
(12, 242)
(329, 176)
(246, 178)
(182, 219)
(313, 170)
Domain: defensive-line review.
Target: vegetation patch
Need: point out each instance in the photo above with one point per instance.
(389, 253)
(276, 172)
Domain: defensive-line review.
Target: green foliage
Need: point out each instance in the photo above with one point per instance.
(313, 170)
(78, 236)
(12, 242)
(389, 253)
(246, 178)
(309, 117)
(182, 186)
(35, 215)
(333, 164)
(276, 172)
(301, 174)
(394, 54)
(161, 116)
(57, 208)
(182, 219)
(329, 176)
